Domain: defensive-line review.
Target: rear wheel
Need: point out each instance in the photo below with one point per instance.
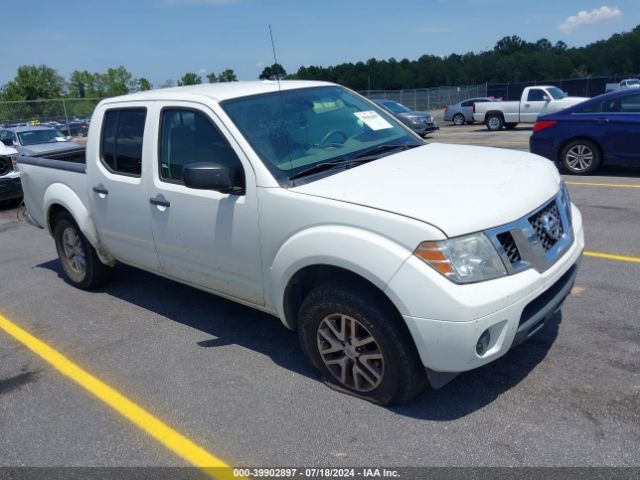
(458, 119)
(360, 345)
(79, 260)
(581, 157)
(495, 122)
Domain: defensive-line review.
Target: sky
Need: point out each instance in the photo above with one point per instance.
(163, 39)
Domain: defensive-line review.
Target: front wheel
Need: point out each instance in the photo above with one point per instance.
(495, 123)
(360, 345)
(581, 157)
(79, 260)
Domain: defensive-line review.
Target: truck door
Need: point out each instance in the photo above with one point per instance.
(534, 104)
(119, 200)
(207, 238)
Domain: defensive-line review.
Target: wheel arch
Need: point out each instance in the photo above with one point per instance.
(315, 255)
(60, 198)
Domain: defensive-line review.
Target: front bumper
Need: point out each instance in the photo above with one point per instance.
(446, 320)
(10, 187)
(425, 128)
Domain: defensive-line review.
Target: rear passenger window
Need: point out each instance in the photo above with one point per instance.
(122, 136)
(468, 103)
(189, 136)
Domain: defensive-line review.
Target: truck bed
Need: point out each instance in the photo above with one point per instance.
(60, 171)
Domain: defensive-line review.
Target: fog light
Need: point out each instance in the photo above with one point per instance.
(483, 342)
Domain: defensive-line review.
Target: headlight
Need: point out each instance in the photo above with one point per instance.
(414, 118)
(467, 259)
(14, 162)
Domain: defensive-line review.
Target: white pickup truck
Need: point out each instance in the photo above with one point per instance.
(399, 263)
(535, 101)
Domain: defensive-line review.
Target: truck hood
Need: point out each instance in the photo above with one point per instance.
(44, 148)
(458, 189)
(569, 101)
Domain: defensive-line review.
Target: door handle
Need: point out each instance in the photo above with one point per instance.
(602, 120)
(101, 190)
(526, 105)
(160, 202)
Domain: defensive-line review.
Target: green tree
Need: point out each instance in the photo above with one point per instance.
(34, 82)
(227, 75)
(143, 84)
(273, 72)
(212, 77)
(115, 81)
(190, 79)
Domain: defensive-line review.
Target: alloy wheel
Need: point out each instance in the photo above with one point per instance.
(350, 352)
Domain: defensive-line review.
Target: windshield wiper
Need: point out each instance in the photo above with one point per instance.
(376, 152)
(358, 159)
(318, 167)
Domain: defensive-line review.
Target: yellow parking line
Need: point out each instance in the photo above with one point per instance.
(144, 420)
(595, 184)
(608, 256)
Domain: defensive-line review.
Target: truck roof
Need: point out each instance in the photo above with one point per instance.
(218, 91)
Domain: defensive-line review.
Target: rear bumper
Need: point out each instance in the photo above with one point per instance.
(10, 188)
(544, 147)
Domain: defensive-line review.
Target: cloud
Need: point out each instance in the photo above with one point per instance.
(597, 15)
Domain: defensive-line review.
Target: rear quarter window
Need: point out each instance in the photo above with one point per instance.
(121, 143)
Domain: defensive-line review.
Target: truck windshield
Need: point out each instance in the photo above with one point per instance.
(293, 130)
(35, 137)
(556, 93)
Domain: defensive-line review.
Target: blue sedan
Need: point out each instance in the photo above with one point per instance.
(604, 130)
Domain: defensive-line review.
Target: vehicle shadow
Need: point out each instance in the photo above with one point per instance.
(230, 323)
(606, 171)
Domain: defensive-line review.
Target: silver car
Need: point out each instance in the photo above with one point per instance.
(36, 141)
(462, 112)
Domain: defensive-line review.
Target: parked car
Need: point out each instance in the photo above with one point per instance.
(462, 112)
(35, 141)
(630, 83)
(602, 131)
(398, 262)
(10, 188)
(538, 100)
(420, 122)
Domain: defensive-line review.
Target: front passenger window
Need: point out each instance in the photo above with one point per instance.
(188, 136)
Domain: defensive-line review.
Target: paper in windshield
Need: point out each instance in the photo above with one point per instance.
(373, 120)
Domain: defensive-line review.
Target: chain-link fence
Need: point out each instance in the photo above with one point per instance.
(576, 87)
(429, 98)
(55, 112)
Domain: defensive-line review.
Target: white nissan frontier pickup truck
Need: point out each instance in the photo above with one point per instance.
(399, 263)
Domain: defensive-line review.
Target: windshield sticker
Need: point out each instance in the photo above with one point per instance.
(373, 120)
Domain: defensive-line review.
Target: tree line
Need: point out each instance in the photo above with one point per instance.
(512, 59)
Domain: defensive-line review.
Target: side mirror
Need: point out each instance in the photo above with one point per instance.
(209, 176)
(565, 94)
(69, 137)
(546, 98)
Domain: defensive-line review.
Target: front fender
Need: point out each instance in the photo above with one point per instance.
(367, 254)
(61, 194)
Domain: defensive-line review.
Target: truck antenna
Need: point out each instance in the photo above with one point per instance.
(284, 121)
(275, 59)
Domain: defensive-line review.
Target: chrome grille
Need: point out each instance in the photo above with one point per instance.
(548, 225)
(510, 247)
(536, 240)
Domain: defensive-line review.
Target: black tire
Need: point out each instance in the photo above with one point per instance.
(458, 119)
(402, 374)
(494, 122)
(584, 163)
(94, 273)
(510, 126)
